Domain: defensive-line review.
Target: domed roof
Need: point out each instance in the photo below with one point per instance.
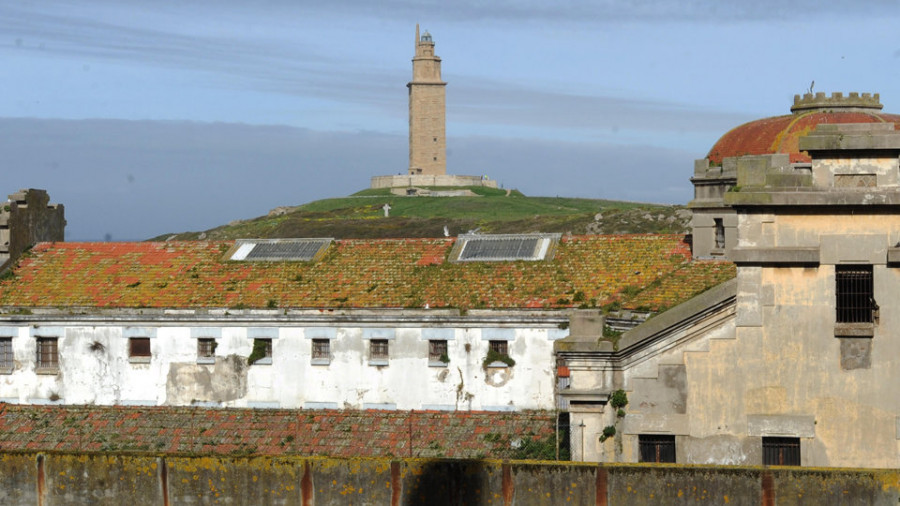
(780, 134)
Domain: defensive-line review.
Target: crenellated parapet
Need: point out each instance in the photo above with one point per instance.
(837, 100)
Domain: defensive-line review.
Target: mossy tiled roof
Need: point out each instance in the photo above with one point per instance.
(242, 431)
(637, 271)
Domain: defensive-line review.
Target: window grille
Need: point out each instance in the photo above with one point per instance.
(657, 448)
(378, 349)
(855, 301)
(781, 451)
(47, 353)
(206, 347)
(321, 349)
(437, 349)
(139, 347)
(6, 353)
(500, 347)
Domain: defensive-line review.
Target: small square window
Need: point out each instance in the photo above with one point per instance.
(781, 451)
(6, 354)
(378, 351)
(139, 349)
(262, 352)
(206, 350)
(498, 355)
(47, 359)
(437, 352)
(321, 351)
(657, 448)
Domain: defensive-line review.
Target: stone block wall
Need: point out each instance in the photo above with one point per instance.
(26, 219)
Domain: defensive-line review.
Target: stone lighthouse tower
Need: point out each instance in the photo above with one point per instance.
(427, 112)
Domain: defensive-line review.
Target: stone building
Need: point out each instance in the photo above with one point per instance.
(763, 143)
(427, 111)
(794, 361)
(458, 324)
(427, 130)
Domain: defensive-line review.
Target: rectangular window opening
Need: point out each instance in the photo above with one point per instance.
(720, 233)
(206, 349)
(6, 354)
(47, 353)
(139, 349)
(500, 347)
(437, 352)
(321, 350)
(657, 448)
(378, 350)
(781, 451)
(261, 353)
(855, 297)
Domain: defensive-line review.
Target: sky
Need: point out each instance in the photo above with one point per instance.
(150, 117)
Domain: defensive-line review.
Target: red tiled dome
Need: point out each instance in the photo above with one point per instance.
(780, 134)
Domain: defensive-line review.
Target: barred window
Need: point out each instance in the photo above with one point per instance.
(437, 351)
(855, 300)
(6, 353)
(378, 349)
(206, 348)
(781, 451)
(500, 347)
(321, 349)
(47, 353)
(657, 448)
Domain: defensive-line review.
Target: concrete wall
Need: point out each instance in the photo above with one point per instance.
(49, 479)
(95, 368)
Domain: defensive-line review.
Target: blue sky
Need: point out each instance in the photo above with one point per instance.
(145, 118)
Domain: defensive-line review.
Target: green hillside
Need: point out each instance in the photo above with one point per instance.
(361, 215)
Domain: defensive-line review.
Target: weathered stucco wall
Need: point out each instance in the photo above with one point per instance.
(49, 479)
(95, 368)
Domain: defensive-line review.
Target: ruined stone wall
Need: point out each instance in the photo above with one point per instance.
(26, 219)
(60, 478)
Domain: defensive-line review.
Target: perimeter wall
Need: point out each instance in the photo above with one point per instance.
(115, 479)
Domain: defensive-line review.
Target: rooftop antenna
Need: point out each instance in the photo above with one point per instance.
(811, 86)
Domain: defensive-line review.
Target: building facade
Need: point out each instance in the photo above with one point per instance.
(794, 361)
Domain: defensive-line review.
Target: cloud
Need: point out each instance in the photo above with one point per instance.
(499, 103)
(137, 179)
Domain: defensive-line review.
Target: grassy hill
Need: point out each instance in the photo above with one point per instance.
(490, 210)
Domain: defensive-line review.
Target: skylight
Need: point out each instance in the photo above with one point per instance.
(503, 247)
(271, 250)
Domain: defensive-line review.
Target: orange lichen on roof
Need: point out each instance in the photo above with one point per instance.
(338, 433)
(585, 271)
(781, 134)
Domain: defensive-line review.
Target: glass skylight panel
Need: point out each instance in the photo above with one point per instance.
(279, 249)
(505, 247)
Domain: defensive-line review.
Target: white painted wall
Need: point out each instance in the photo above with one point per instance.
(103, 374)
